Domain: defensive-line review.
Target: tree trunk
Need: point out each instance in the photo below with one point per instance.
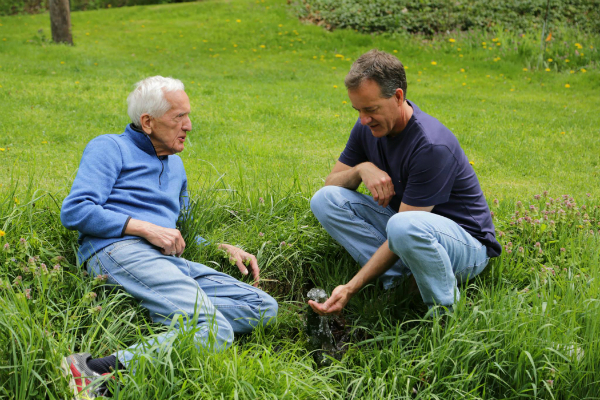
(60, 21)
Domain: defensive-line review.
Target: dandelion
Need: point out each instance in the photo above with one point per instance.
(395, 51)
(2, 148)
(262, 46)
(562, 133)
(567, 60)
(344, 102)
(238, 20)
(335, 86)
(524, 69)
(2, 233)
(547, 69)
(471, 162)
(483, 43)
(462, 70)
(433, 63)
(339, 56)
(583, 70)
(567, 85)
(550, 60)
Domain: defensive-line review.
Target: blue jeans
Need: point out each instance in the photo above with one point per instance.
(434, 249)
(211, 302)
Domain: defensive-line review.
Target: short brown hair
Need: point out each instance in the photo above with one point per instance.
(382, 68)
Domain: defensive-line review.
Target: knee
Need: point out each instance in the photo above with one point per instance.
(403, 229)
(268, 310)
(223, 335)
(324, 200)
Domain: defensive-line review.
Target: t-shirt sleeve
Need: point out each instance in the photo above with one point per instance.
(354, 153)
(431, 176)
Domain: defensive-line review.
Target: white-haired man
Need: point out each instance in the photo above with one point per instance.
(128, 194)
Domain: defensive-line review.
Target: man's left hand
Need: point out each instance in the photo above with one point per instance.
(240, 257)
(340, 296)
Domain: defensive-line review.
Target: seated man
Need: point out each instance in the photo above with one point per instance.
(128, 194)
(427, 216)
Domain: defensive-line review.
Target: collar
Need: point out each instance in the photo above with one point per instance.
(140, 139)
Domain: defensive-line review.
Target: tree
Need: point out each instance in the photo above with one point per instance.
(60, 21)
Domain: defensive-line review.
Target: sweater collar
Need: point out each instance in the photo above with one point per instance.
(140, 139)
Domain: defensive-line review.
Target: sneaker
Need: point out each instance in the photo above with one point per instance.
(85, 383)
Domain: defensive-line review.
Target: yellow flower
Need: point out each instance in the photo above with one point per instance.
(280, 25)
(77, 82)
(44, 142)
(512, 90)
(583, 70)
(460, 55)
(87, 34)
(495, 39)
(471, 162)
(462, 70)
(487, 76)
(525, 69)
(337, 115)
(562, 133)
(238, 20)
(567, 60)
(2, 149)
(405, 67)
(581, 54)
(451, 40)
(344, 102)
(483, 43)
(335, 86)
(17, 201)
(567, 86)
(62, 62)
(433, 63)
(395, 51)
(547, 69)
(262, 46)
(550, 60)
(2, 233)
(578, 46)
(464, 84)
(498, 44)
(339, 56)
(572, 72)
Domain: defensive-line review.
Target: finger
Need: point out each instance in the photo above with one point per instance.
(381, 195)
(316, 307)
(240, 265)
(254, 268)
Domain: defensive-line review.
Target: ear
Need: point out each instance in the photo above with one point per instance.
(399, 96)
(146, 123)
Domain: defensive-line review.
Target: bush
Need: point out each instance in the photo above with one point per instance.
(10, 7)
(434, 16)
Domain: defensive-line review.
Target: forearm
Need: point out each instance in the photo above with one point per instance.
(381, 261)
(349, 178)
(136, 227)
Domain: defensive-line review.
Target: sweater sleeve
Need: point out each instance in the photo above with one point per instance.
(83, 209)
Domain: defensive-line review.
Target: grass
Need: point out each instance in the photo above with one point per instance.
(269, 122)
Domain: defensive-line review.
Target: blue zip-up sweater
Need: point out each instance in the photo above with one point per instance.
(121, 177)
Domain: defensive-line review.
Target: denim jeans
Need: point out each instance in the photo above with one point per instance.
(434, 249)
(169, 287)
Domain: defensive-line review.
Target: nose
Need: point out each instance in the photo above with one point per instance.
(187, 124)
(365, 119)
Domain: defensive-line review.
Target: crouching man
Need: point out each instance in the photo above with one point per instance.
(126, 199)
(427, 216)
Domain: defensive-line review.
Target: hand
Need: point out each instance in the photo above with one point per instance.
(168, 240)
(241, 259)
(378, 182)
(340, 296)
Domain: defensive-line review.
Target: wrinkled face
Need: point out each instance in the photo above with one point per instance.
(168, 132)
(380, 114)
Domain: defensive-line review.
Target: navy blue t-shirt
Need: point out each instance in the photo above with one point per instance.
(428, 168)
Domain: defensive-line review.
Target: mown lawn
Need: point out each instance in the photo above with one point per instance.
(271, 116)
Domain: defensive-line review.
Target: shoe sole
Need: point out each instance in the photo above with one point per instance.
(64, 365)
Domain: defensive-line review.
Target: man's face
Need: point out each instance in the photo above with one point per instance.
(168, 132)
(380, 114)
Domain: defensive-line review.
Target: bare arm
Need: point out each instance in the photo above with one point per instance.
(377, 181)
(381, 261)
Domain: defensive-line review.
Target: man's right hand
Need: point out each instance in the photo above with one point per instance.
(378, 182)
(168, 240)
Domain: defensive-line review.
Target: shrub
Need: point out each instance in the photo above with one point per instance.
(9, 7)
(434, 16)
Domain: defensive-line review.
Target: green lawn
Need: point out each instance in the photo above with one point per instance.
(271, 116)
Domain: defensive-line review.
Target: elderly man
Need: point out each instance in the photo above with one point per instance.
(126, 199)
(427, 216)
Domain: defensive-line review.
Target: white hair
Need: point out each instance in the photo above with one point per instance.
(148, 97)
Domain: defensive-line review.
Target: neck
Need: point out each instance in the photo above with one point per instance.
(406, 112)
